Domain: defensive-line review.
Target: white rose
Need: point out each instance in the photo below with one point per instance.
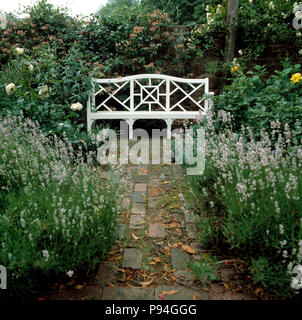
(30, 67)
(43, 92)
(300, 52)
(10, 88)
(298, 14)
(19, 51)
(240, 52)
(76, 106)
(209, 18)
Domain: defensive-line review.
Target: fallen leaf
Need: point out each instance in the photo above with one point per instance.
(173, 278)
(169, 293)
(173, 225)
(167, 249)
(111, 253)
(79, 286)
(115, 258)
(147, 283)
(258, 290)
(144, 171)
(127, 214)
(166, 268)
(154, 191)
(121, 270)
(226, 285)
(152, 274)
(177, 244)
(134, 236)
(72, 282)
(174, 206)
(155, 260)
(195, 298)
(188, 249)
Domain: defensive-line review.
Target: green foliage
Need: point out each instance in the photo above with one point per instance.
(49, 48)
(255, 102)
(182, 11)
(140, 45)
(120, 10)
(44, 25)
(261, 25)
(265, 22)
(56, 213)
(206, 269)
(67, 83)
(269, 275)
(250, 198)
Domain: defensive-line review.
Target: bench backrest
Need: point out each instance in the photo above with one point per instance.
(149, 92)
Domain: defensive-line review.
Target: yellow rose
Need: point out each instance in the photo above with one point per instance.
(296, 78)
(235, 69)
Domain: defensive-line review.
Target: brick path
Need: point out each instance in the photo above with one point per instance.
(148, 261)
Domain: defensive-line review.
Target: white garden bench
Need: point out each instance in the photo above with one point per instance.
(148, 96)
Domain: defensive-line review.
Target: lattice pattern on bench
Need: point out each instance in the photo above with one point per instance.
(147, 96)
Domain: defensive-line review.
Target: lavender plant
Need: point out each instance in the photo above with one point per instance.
(57, 217)
(251, 198)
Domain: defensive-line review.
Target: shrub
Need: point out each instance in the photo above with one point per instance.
(44, 25)
(263, 22)
(251, 193)
(65, 83)
(53, 52)
(255, 102)
(137, 45)
(56, 213)
(260, 25)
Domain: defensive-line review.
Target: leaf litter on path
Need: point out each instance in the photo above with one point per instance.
(169, 293)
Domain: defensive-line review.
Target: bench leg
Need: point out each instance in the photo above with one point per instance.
(130, 124)
(169, 126)
(89, 124)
